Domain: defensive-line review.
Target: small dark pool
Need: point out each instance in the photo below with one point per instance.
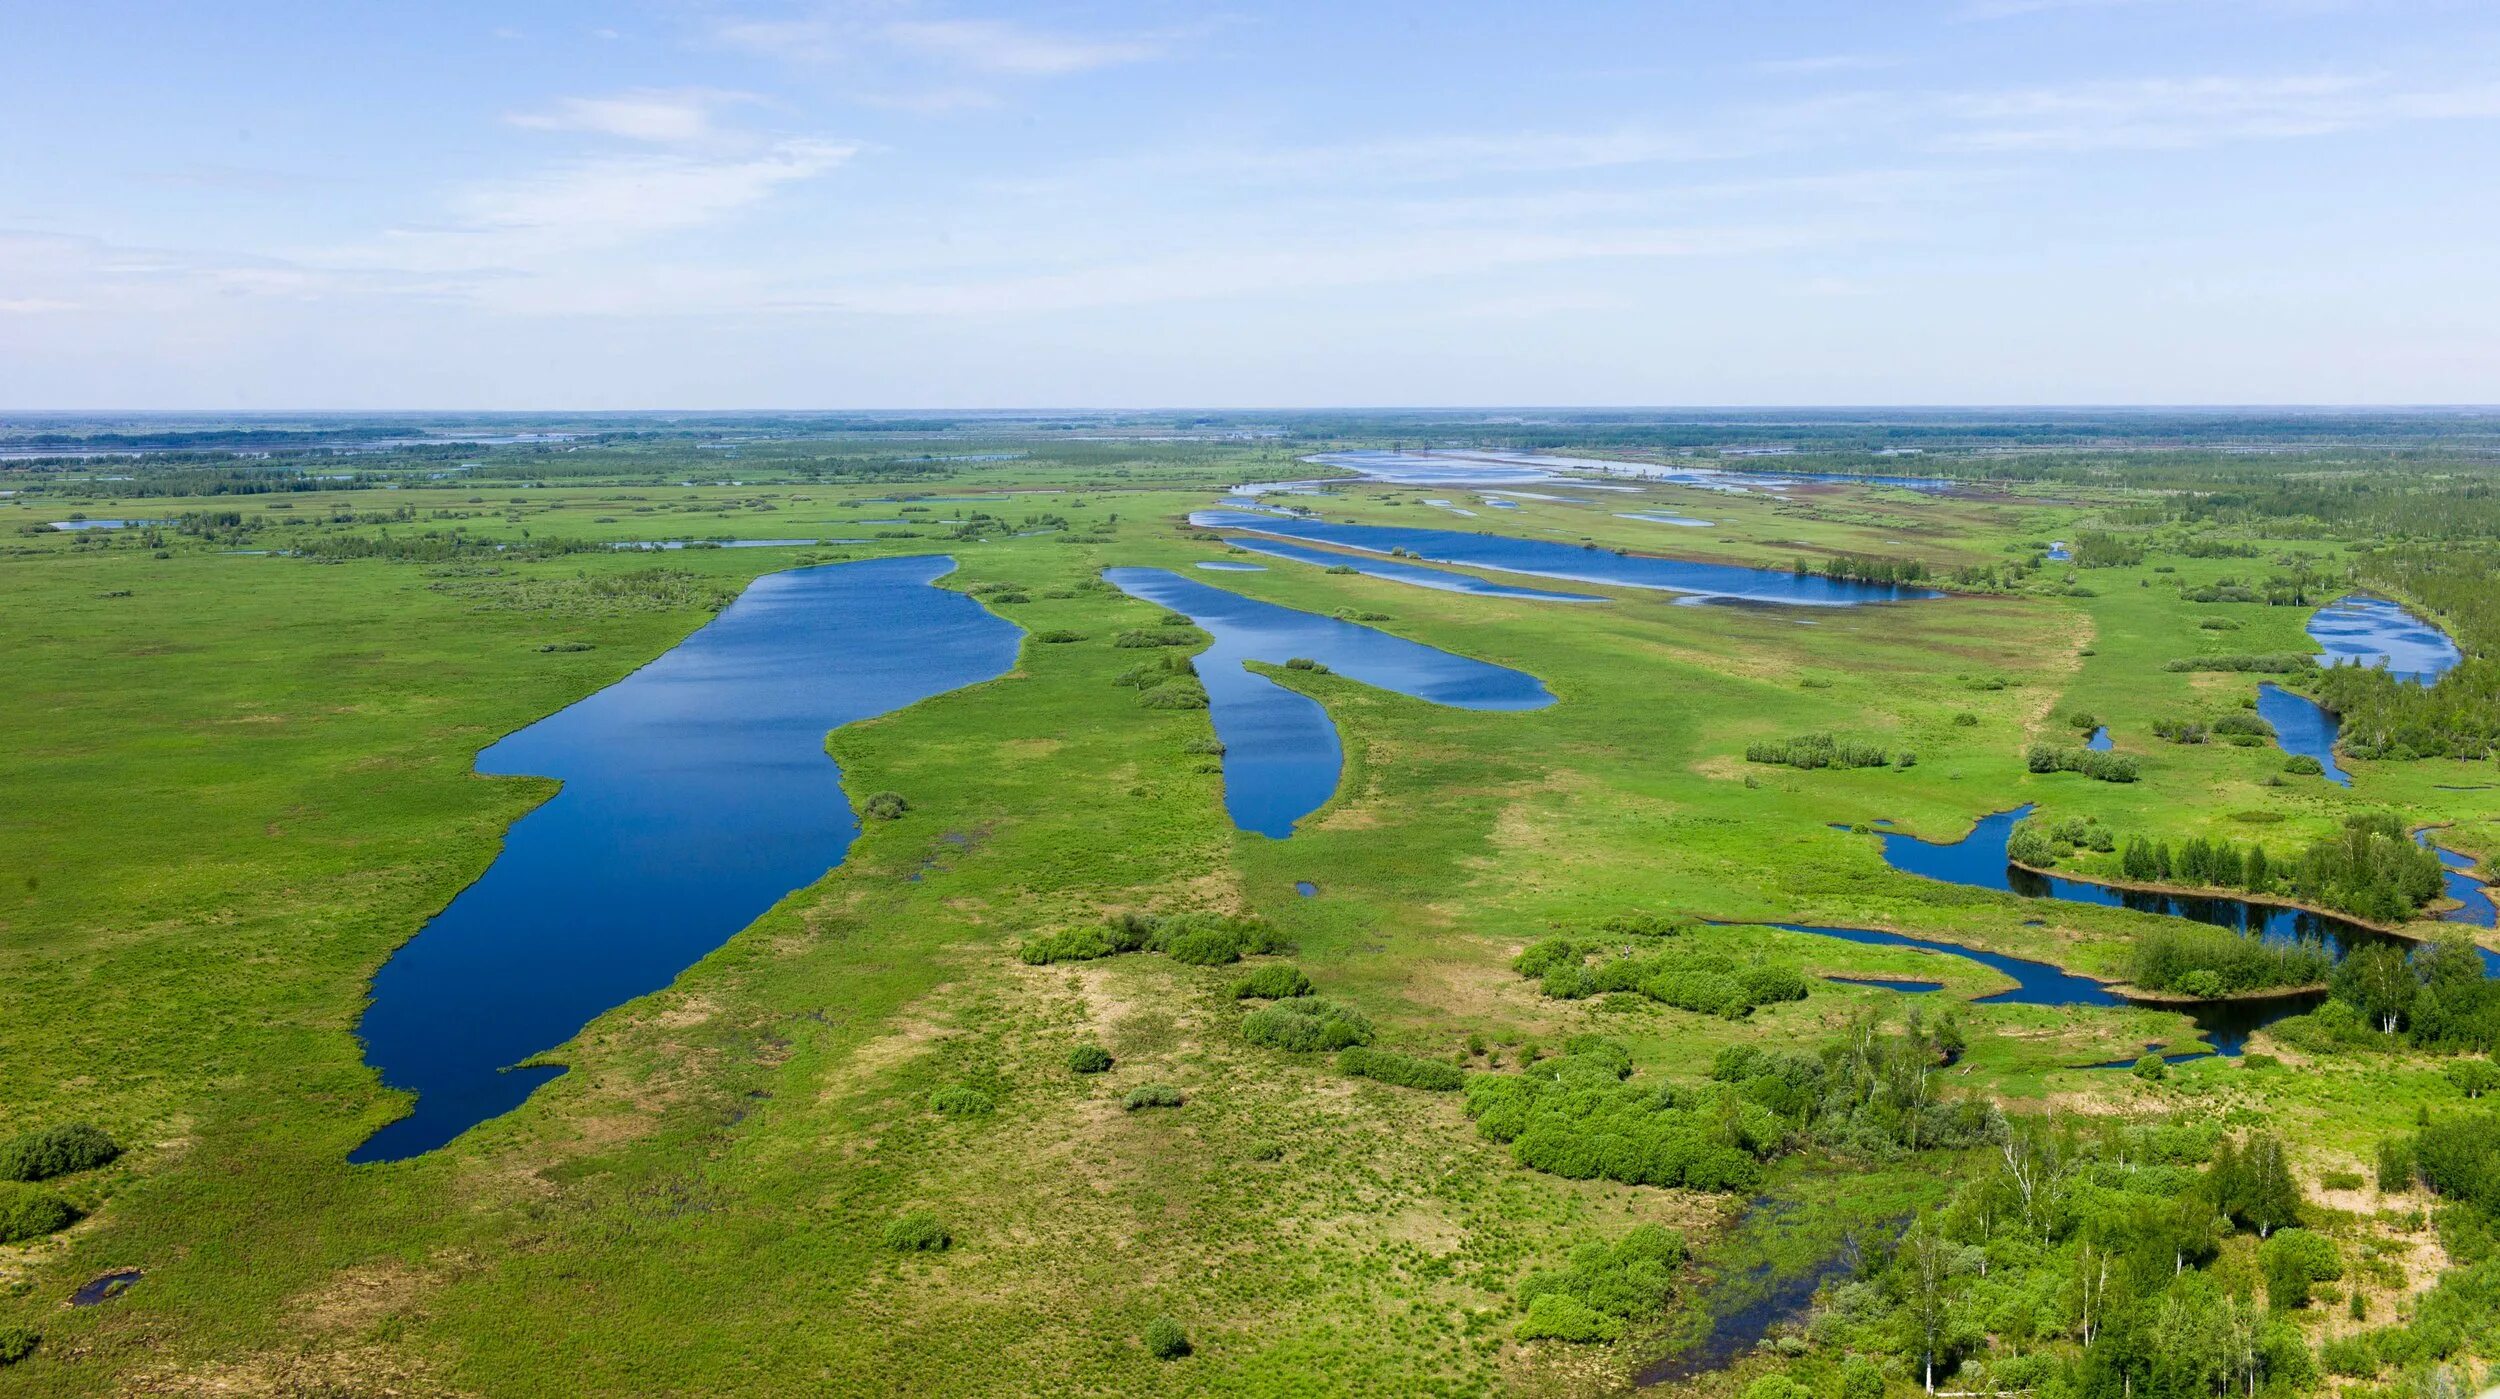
(1281, 754)
(105, 1288)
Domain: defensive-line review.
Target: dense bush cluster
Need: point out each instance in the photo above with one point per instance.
(1089, 1059)
(2194, 959)
(1166, 682)
(1404, 1070)
(2099, 766)
(1152, 1095)
(1576, 1117)
(1276, 981)
(1307, 1025)
(59, 1150)
(2271, 663)
(2456, 716)
(30, 1212)
(1200, 939)
(1812, 751)
(1605, 1288)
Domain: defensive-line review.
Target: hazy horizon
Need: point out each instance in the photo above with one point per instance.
(642, 207)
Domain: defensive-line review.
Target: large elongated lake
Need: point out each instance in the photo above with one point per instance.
(697, 794)
(1281, 754)
(1545, 558)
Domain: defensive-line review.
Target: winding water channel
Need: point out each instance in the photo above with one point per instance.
(1282, 757)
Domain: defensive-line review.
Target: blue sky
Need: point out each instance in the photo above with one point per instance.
(526, 205)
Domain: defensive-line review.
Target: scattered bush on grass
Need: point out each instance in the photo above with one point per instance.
(1165, 1340)
(30, 1212)
(1404, 1070)
(918, 1232)
(1274, 982)
(959, 1101)
(1307, 1025)
(1089, 1059)
(886, 806)
(1152, 1095)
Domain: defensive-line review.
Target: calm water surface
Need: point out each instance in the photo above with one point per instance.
(1548, 559)
(2302, 728)
(1281, 754)
(2374, 631)
(1372, 566)
(697, 793)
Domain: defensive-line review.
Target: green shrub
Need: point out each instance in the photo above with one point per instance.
(1274, 982)
(1058, 636)
(918, 1232)
(1306, 663)
(2302, 765)
(1556, 1316)
(960, 1101)
(1152, 1095)
(1143, 640)
(1089, 1059)
(2150, 1068)
(1178, 692)
(55, 1151)
(17, 1342)
(1404, 1070)
(1165, 1340)
(2293, 1260)
(1861, 1378)
(1067, 945)
(886, 806)
(1776, 1387)
(1204, 947)
(30, 1212)
(1307, 1025)
(1604, 1286)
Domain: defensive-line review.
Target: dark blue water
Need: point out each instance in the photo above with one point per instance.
(1978, 860)
(697, 793)
(2035, 983)
(2373, 631)
(1281, 756)
(2059, 553)
(2100, 742)
(1371, 566)
(1306, 888)
(1547, 559)
(2473, 896)
(2302, 728)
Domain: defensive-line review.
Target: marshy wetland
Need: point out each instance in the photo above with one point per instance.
(1032, 904)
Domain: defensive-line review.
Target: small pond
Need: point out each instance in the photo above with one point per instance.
(697, 794)
(1549, 559)
(1655, 518)
(1281, 753)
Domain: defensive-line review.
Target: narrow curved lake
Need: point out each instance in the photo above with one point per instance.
(697, 794)
(2354, 630)
(1282, 757)
(1549, 559)
(1414, 575)
(2373, 631)
(2302, 727)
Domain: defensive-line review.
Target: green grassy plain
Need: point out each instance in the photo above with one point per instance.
(237, 782)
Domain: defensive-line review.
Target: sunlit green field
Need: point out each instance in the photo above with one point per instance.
(236, 782)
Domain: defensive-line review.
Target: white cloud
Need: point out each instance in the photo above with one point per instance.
(530, 224)
(663, 116)
(2181, 113)
(996, 46)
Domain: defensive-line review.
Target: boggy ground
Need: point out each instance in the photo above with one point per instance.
(238, 782)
